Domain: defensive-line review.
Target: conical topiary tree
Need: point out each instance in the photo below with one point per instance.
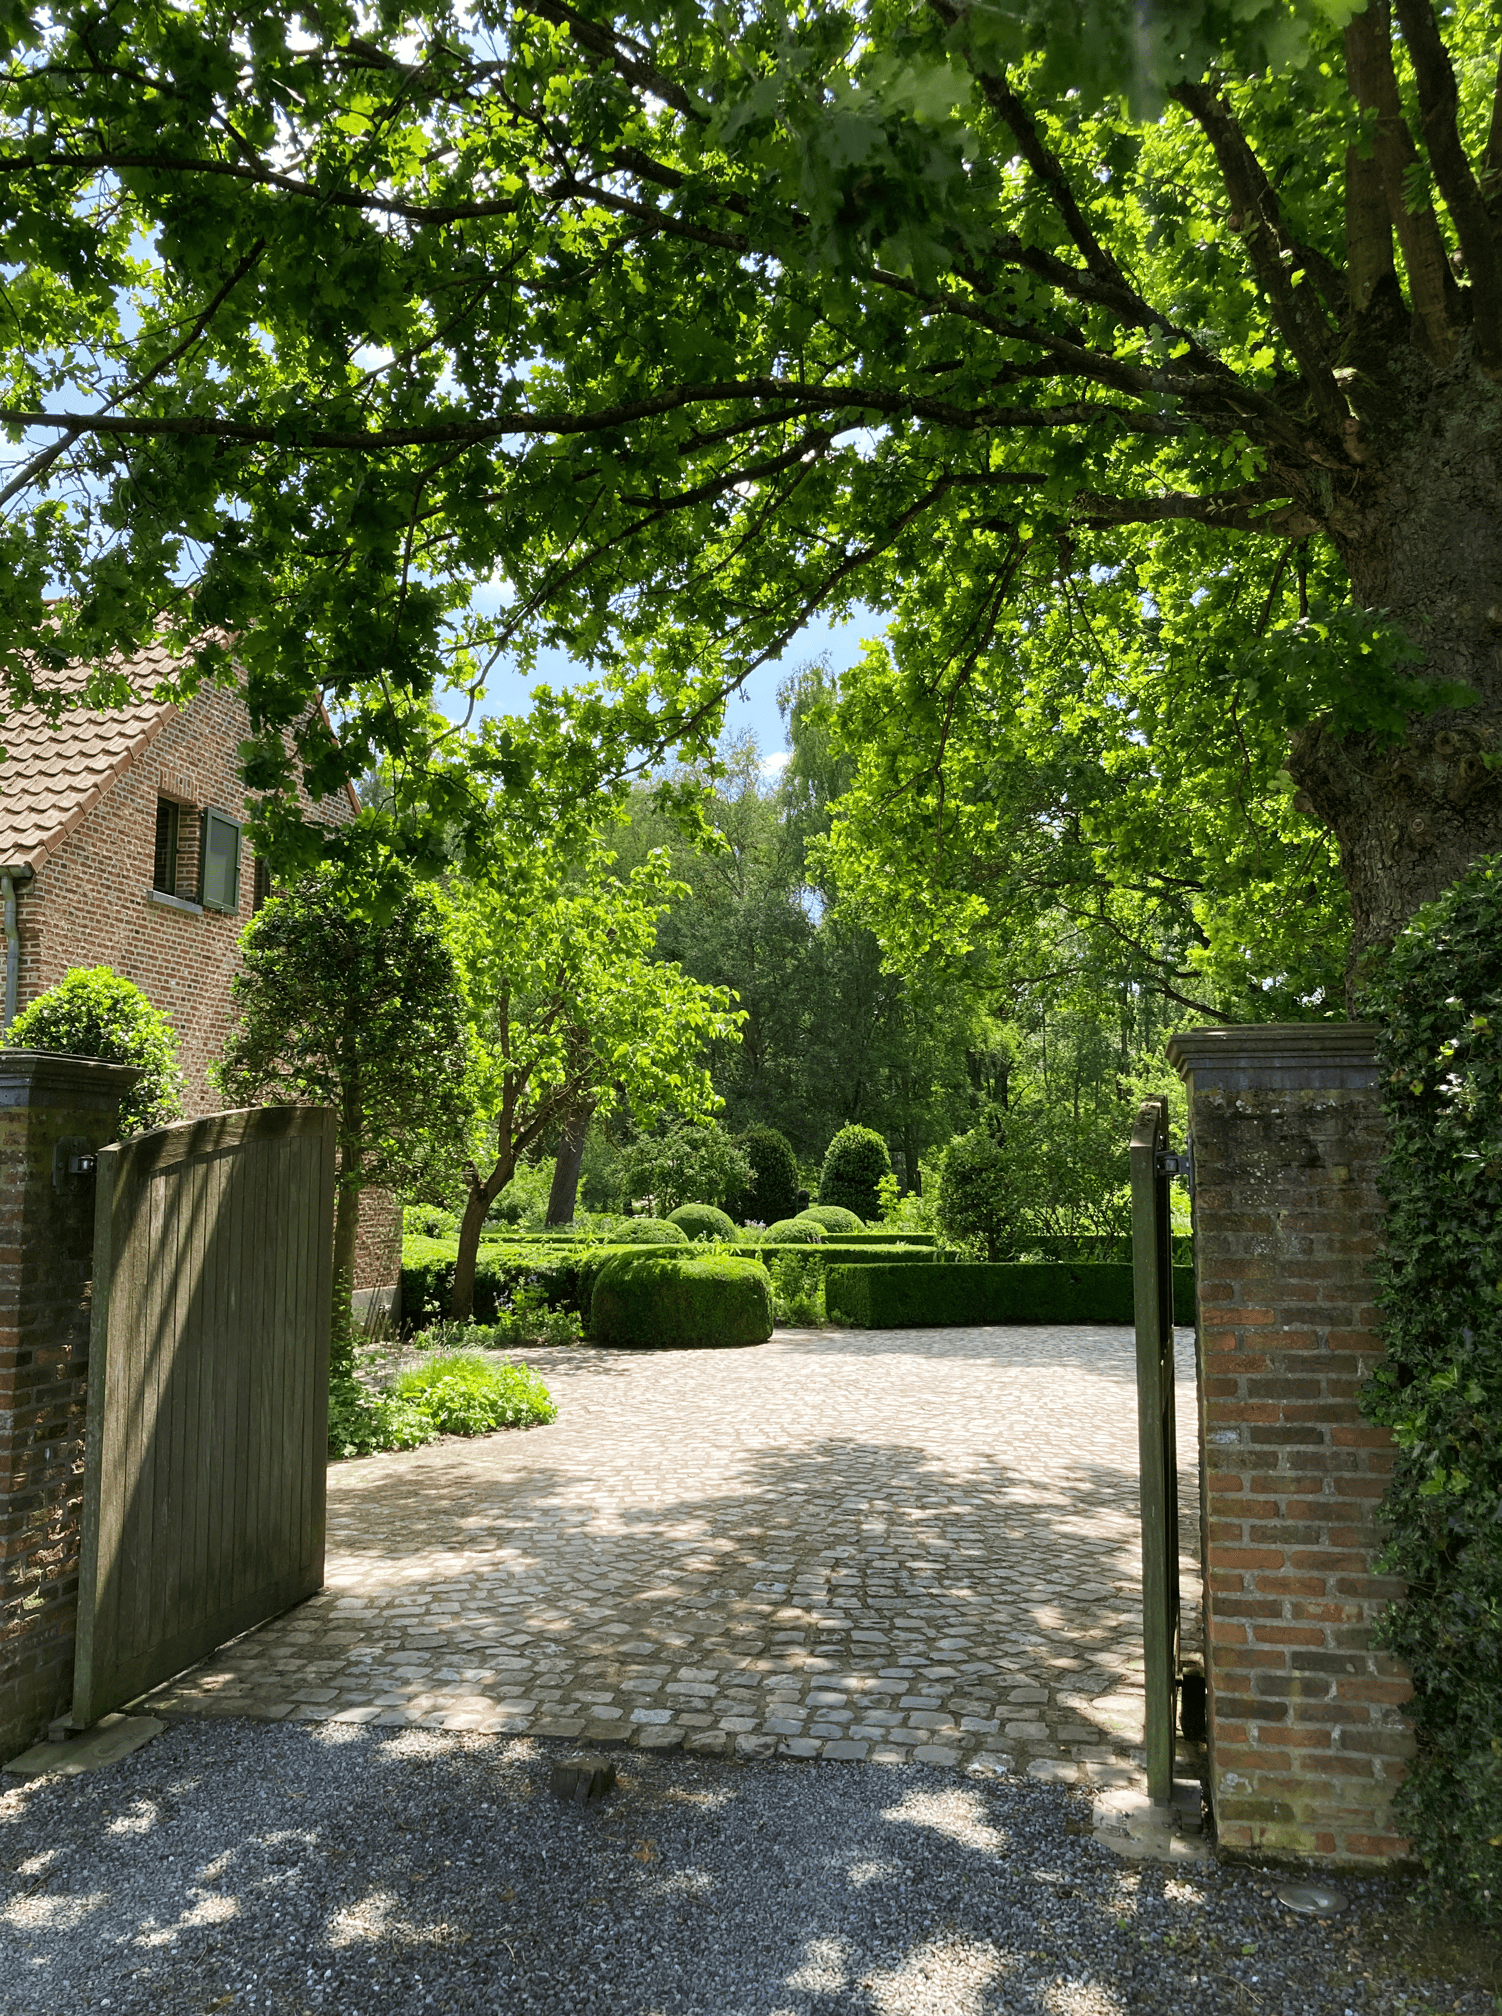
(854, 1163)
(773, 1190)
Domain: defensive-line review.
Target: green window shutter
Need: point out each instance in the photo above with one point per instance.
(220, 863)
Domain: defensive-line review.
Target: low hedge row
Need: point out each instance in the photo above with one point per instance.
(910, 1298)
(1099, 1252)
(565, 1274)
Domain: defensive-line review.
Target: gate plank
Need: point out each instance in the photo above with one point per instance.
(204, 1483)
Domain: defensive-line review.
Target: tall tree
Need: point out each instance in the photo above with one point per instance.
(680, 322)
(566, 1000)
(348, 998)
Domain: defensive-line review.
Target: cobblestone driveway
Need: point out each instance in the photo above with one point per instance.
(855, 1544)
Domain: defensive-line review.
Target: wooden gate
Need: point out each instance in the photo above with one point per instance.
(207, 1438)
(1153, 1167)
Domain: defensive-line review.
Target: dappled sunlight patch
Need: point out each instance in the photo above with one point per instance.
(824, 1968)
(52, 1914)
(139, 1818)
(38, 1864)
(365, 1923)
(959, 1815)
(948, 1974)
(213, 1909)
(696, 1884)
(1081, 1998)
(859, 1874)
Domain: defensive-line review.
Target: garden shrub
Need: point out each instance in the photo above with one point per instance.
(564, 1276)
(773, 1190)
(854, 1164)
(466, 1393)
(793, 1232)
(833, 1218)
(984, 1191)
(649, 1232)
(890, 1297)
(1437, 996)
(681, 1300)
(797, 1278)
(93, 1012)
(702, 1221)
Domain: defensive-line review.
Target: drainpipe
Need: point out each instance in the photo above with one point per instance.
(9, 878)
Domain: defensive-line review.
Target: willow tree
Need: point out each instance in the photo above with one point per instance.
(675, 323)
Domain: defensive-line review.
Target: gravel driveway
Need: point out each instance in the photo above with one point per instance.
(333, 1867)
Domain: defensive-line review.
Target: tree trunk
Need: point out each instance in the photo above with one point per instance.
(564, 1195)
(480, 1197)
(346, 1235)
(1421, 536)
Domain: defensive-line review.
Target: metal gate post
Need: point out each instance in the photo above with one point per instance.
(1152, 1283)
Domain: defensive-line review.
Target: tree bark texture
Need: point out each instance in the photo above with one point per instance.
(564, 1196)
(1420, 532)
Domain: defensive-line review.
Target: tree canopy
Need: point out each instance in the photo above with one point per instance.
(667, 325)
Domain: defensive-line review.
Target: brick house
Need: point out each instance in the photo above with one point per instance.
(122, 845)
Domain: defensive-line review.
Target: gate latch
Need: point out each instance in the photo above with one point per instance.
(72, 1160)
(1167, 1163)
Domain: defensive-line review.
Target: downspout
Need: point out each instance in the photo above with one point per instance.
(9, 878)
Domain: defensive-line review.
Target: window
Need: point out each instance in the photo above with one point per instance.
(164, 865)
(219, 863)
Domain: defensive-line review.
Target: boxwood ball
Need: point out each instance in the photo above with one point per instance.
(679, 1299)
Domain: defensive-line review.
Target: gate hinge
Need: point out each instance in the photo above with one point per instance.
(1168, 1163)
(72, 1158)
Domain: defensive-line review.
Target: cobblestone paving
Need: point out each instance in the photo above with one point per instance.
(851, 1544)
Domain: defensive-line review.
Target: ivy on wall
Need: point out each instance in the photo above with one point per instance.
(1437, 998)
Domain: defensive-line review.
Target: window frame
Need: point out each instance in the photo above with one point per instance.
(175, 824)
(208, 818)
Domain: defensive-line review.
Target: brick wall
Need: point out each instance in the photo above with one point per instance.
(91, 902)
(1307, 1738)
(46, 1263)
(378, 1245)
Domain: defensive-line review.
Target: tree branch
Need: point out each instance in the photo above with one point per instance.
(1374, 86)
(1270, 247)
(1439, 106)
(1227, 510)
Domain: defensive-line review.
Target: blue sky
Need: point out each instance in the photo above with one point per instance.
(756, 709)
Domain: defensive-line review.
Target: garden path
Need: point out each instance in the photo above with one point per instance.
(844, 1543)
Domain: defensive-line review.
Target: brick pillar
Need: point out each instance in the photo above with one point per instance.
(51, 1108)
(1306, 1739)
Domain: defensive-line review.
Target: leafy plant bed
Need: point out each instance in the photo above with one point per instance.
(901, 1298)
(451, 1393)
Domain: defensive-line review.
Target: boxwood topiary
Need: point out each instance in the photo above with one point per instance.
(793, 1232)
(854, 1163)
(93, 1012)
(774, 1182)
(1437, 997)
(702, 1221)
(681, 1300)
(833, 1218)
(648, 1232)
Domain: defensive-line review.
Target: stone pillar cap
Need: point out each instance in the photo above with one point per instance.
(53, 1078)
(1267, 1056)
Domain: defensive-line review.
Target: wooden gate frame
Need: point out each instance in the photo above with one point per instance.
(240, 1579)
(1152, 1169)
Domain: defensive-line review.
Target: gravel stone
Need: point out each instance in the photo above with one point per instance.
(302, 1868)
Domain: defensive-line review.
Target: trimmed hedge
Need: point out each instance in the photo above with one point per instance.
(566, 1275)
(681, 1301)
(854, 1164)
(833, 1218)
(702, 1221)
(793, 1232)
(910, 1298)
(1104, 1248)
(880, 1235)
